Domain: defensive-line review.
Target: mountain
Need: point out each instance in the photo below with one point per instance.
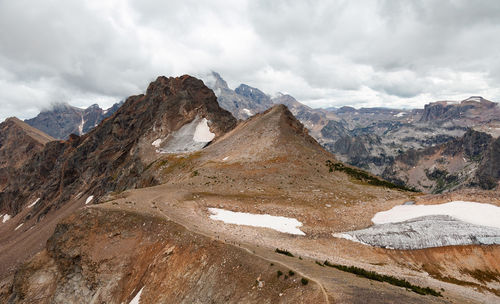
(19, 142)
(62, 119)
(468, 161)
(129, 212)
(472, 110)
(374, 139)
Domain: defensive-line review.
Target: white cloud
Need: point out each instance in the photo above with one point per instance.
(324, 53)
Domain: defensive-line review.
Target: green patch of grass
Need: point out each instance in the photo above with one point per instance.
(285, 252)
(364, 176)
(385, 278)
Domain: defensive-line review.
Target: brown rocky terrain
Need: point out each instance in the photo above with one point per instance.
(18, 144)
(147, 224)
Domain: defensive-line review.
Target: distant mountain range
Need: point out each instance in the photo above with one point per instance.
(63, 119)
(375, 139)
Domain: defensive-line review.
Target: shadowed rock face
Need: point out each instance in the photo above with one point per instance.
(110, 157)
(63, 119)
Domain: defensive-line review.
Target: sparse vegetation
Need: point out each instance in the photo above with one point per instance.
(364, 176)
(385, 278)
(285, 252)
(320, 264)
(304, 281)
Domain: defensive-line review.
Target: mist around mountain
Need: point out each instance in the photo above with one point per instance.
(62, 119)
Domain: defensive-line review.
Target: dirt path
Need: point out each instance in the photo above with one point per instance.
(337, 286)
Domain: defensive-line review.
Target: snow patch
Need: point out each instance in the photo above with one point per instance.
(279, 223)
(190, 137)
(469, 212)
(202, 133)
(89, 199)
(400, 114)
(137, 297)
(34, 203)
(19, 226)
(6, 217)
(248, 112)
(157, 143)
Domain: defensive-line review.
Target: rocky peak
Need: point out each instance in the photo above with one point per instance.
(219, 82)
(254, 94)
(62, 119)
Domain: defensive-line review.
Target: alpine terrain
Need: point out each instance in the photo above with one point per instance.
(174, 199)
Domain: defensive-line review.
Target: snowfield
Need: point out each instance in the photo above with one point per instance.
(470, 212)
(424, 226)
(190, 137)
(278, 223)
(202, 132)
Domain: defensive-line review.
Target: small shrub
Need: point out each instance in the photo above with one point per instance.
(272, 264)
(304, 281)
(319, 264)
(285, 252)
(279, 273)
(291, 273)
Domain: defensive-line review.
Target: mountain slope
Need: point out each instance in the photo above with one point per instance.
(18, 143)
(63, 119)
(112, 157)
(468, 161)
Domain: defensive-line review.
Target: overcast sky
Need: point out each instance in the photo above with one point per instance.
(324, 53)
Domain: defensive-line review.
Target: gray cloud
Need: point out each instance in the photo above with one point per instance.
(325, 53)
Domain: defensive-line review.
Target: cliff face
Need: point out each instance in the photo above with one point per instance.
(467, 109)
(469, 161)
